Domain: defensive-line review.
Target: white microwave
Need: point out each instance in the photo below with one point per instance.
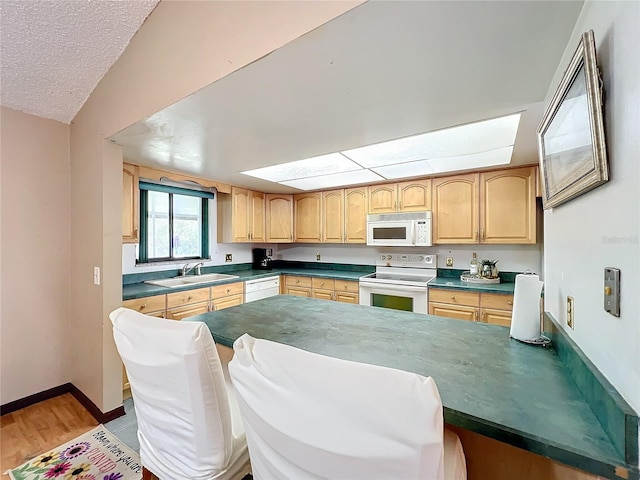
(399, 229)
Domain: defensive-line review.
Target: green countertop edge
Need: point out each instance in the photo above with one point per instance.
(599, 464)
(616, 416)
(134, 287)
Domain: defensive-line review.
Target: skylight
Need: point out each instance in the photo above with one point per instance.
(475, 145)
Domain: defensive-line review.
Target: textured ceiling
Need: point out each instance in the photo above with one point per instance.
(54, 53)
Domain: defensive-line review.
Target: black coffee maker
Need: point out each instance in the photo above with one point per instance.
(262, 258)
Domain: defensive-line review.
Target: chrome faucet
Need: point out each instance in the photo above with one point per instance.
(186, 269)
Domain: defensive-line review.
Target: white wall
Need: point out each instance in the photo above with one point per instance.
(35, 275)
(602, 228)
(198, 43)
(512, 258)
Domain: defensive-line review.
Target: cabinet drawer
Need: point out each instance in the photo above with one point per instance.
(346, 286)
(322, 294)
(297, 291)
(293, 281)
(226, 302)
(323, 283)
(347, 297)
(454, 297)
(189, 296)
(496, 300)
(228, 289)
(495, 317)
(461, 312)
(146, 304)
(179, 313)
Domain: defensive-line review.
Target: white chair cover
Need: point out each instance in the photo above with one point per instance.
(180, 398)
(309, 416)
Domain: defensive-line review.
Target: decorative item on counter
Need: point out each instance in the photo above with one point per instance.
(489, 269)
(485, 272)
(473, 265)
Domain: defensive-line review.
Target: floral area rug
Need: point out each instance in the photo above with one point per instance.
(96, 455)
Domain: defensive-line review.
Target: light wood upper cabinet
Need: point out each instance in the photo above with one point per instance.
(279, 215)
(383, 198)
(130, 196)
(411, 196)
(414, 196)
(356, 206)
(455, 209)
(333, 212)
(256, 218)
(241, 216)
(508, 206)
(307, 209)
(497, 207)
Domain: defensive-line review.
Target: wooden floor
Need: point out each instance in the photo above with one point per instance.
(39, 428)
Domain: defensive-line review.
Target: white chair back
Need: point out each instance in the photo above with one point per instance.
(309, 416)
(180, 398)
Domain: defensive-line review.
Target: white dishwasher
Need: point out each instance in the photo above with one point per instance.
(261, 288)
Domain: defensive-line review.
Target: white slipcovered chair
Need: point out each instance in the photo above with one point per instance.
(189, 425)
(309, 416)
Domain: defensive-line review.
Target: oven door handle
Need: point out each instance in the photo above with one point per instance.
(397, 288)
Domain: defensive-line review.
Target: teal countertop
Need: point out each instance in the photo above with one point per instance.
(139, 290)
(513, 392)
(457, 284)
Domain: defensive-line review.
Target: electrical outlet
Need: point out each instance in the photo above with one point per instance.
(318, 256)
(570, 312)
(449, 261)
(228, 257)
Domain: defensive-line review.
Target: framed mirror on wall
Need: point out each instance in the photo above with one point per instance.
(571, 139)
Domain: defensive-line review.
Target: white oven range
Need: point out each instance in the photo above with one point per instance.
(399, 282)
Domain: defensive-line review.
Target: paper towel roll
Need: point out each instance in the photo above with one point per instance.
(525, 321)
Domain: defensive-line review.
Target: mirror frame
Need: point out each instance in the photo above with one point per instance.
(582, 174)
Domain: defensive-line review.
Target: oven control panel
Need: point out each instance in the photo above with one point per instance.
(407, 260)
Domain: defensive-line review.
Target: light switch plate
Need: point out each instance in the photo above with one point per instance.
(612, 291)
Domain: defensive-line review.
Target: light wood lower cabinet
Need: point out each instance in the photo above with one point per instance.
(155, 305)
(322, 288)
(493, 308)
(188, 303)
(298, 286)
(225, 296)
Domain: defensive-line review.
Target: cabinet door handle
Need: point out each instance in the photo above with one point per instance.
(482, 234)
(322, 284)
(509, 302)
(143, 306)
(228, 290)
(484, 320)
(297, 281)
(452, 297)
(476, 234)
(475, 316)
(189, 297)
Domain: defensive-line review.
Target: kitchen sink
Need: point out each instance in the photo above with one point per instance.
(208, 277)
(192, 280)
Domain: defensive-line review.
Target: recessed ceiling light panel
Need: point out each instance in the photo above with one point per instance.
(500, 156)
(309, 167)
(449, 142)
(405, 170)
(335, 180)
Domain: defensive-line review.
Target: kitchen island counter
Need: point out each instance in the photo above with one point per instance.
(490, 384)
